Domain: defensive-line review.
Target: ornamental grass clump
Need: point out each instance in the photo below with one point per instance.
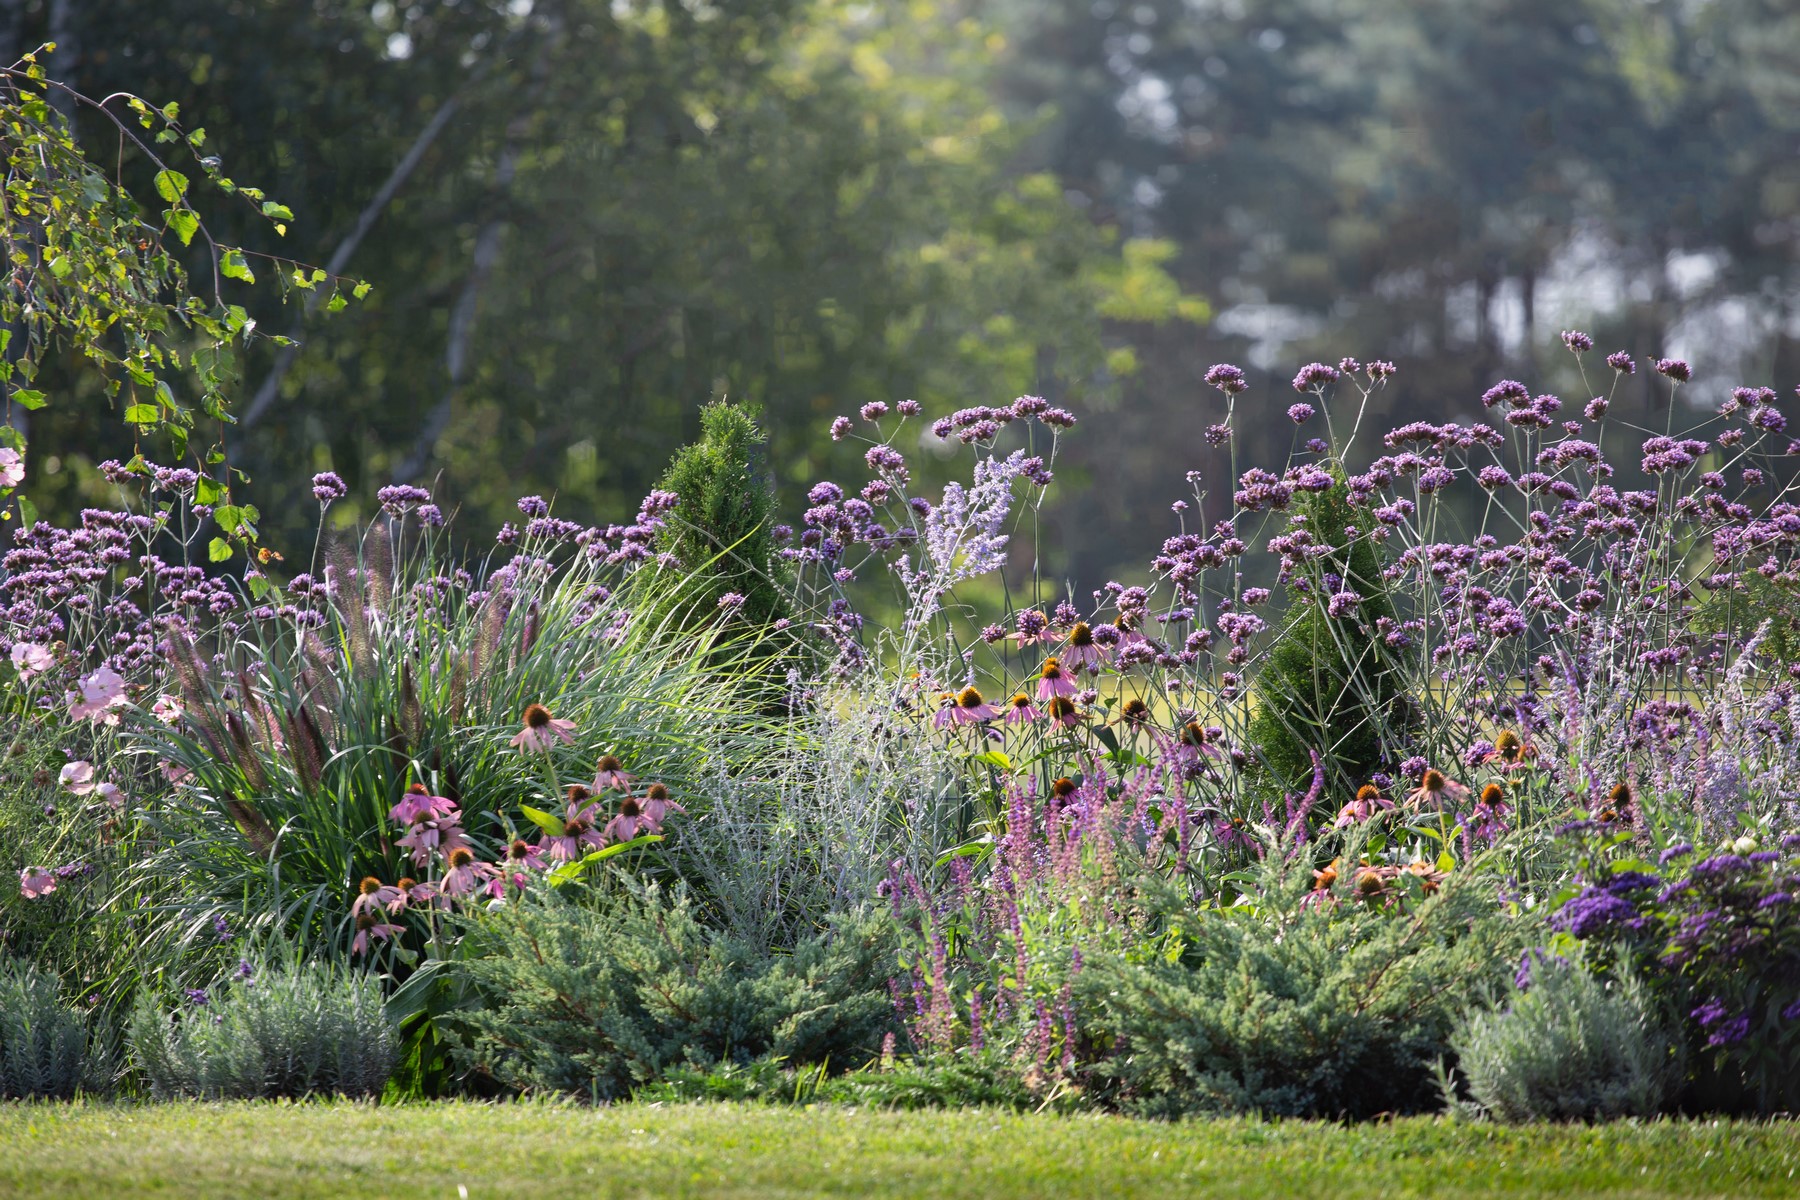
(1575, 1045)
(46, 1052)
(286, 1030)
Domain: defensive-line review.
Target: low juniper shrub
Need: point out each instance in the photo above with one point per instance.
(269, 1031)
(1573, 1045)
(598, 999)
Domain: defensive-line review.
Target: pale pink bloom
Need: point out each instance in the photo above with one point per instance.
(369, 927)
(30, 658)
(656, 805)
(1436, 791)
(504, 878)
(372, 896)
(419, 805)
(100, 697)
(465, 873)
(1021, 711)
(168, 709)
(542, 731)
(35, 882)
(418, 895)
(609, 772)
(175, 773)
(1054, 681)
(12, 467)
(112, 794)
(969, 709)
(946, 711)
(78, 777)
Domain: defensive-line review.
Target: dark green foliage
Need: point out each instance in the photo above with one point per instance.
(941, 1081)
(280, 1031)
(596, 1002)
(1330, 684)
(44, 1048)
(720, 533)
(1321, 1012)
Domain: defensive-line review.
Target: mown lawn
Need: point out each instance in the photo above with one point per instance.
(456, 1149)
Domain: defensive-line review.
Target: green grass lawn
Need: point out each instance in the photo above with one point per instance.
(456, 1149)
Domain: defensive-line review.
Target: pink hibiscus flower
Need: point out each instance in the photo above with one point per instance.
(100, 697)
(30, 658)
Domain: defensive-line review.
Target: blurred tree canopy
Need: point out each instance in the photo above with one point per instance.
(584, 219)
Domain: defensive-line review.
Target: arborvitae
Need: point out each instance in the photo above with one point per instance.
(1331, 684)
(721, 533)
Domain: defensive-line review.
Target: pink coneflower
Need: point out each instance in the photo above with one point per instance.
(1021, 711)
(465, 873)
(609, 772)
(417, 895)
(35, 882)
(523, 856)
(1082, 652)
(542, 730)
(579, 833)
(1367, 803)
(1133, 713)
(369, 927)
(1053, 680)
(30, 658)
(77, 777)
(442, 835)
(420, 805)
(657, 805)
(1511, 753)
(372, 896)
(1198, 739)
(1128, 632)
(99, 697)
(969, 709)
(1062, 711)
(629, 822)
(1436, 791)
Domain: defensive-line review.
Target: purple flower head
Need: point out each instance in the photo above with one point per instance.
(1675, 368)
(1507, 391)
(431, 515)
(873, 411)
(1227, 378)
(400, 498)
(1577, 341)
(730, 602)
(1218, 435)
(907, 408)
(1314, 376)
(1300, 413)
(326, 487)
(840, 428)
(1596, 408)
(1622, 363)
(534, 506)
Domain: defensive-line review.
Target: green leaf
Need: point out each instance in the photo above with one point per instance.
(27, 513)
(572, 870)
(208, 491)
(60, 266)
(232, 266)
(29, 399)
(995, 759)
(337, 303)
(550, 823)
(361, 289)
(184, 223)
(218, 550)
(143, 414)
(197, 138)
(272, 209)
(231, 517)
(171, 185)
